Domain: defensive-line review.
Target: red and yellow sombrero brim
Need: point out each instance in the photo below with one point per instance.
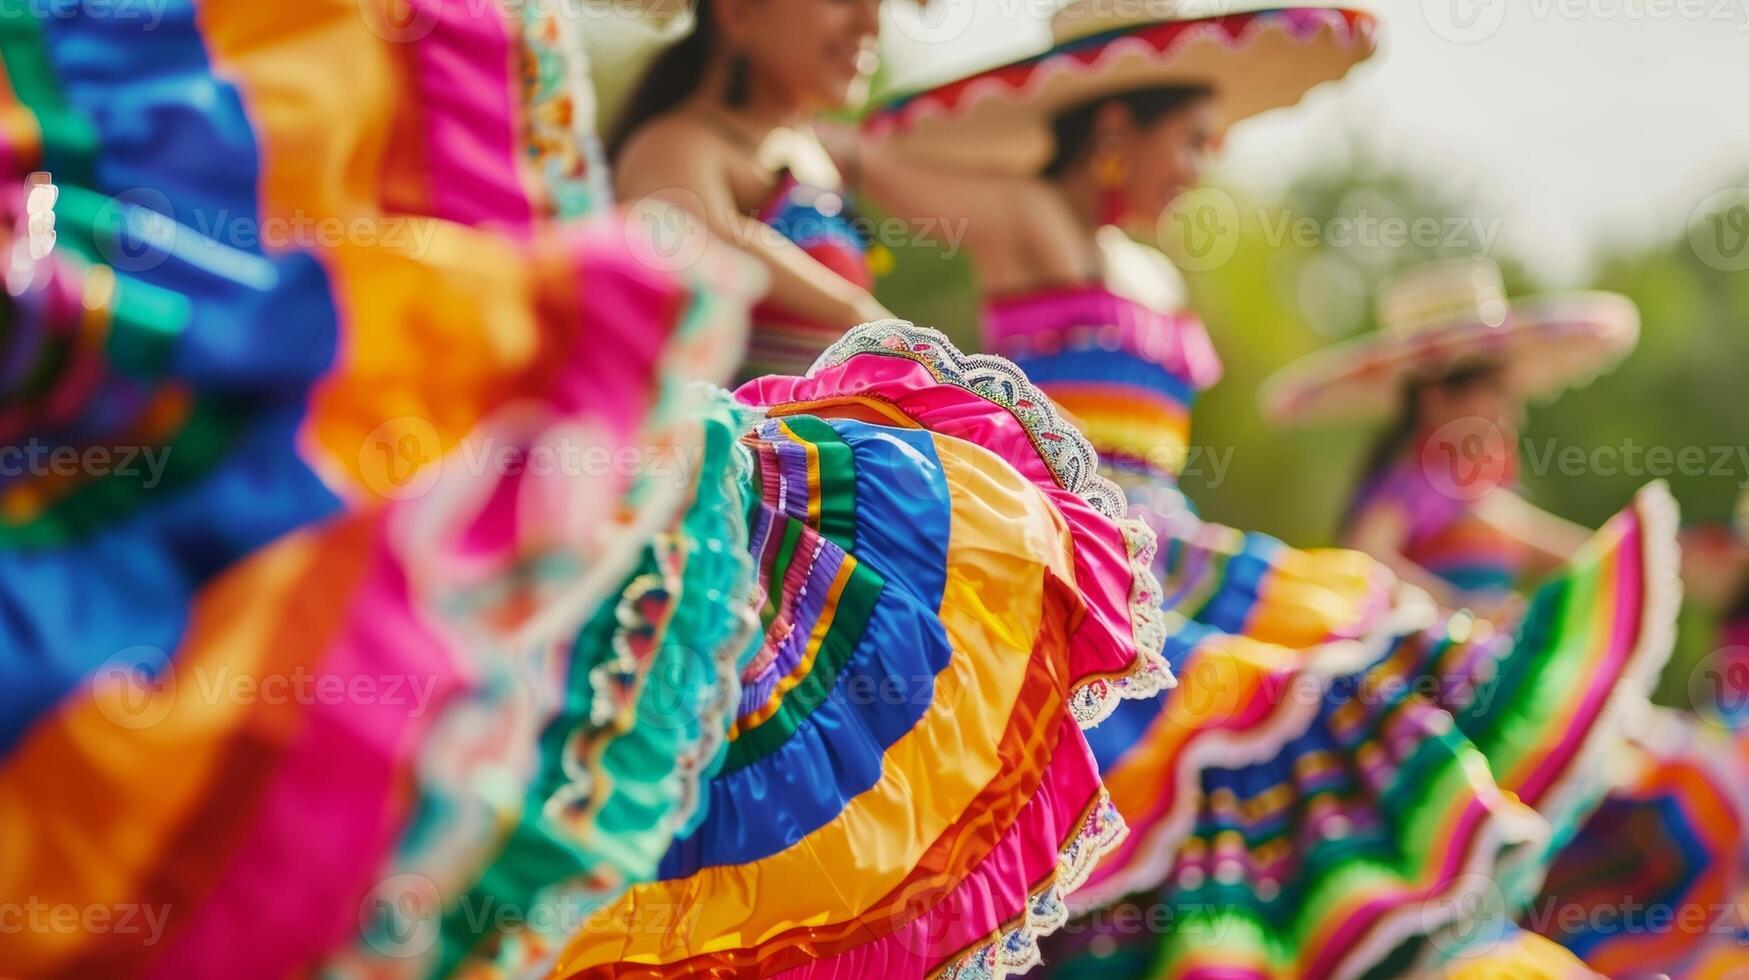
(1000, 118)
(1549, 343)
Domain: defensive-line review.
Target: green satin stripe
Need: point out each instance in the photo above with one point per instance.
(837, 479)
(856, 604)
(145, 320)
(545, 867)
(1218, 922)
(786, 554)
(69, 141)
(1509, 717)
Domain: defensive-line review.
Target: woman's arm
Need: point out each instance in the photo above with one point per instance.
(1552, 540)
(984, 205)
(686, 164)
(1381, 531)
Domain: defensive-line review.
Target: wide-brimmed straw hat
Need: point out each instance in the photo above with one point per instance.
(1447, 315)
(1254, 59)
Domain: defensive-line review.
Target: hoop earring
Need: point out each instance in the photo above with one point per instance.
(1111, 171)
(739, 89)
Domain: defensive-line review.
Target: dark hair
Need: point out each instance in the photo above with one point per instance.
(673, 76)
(1072, 129)
(1393, 442)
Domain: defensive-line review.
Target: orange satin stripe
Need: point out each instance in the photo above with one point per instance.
(992, 610)
(60, 786)
(440, 323)
(467, 304)
(322, 91)
(1215, 684)
(20, 132)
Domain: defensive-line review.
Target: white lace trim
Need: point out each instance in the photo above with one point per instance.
(1013, 949)
(1073, 463)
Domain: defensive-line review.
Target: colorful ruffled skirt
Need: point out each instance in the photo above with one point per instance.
(1657, 881)
(949, 596)
(329, 632)
(1360, 804)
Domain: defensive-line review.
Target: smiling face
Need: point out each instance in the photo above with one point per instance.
(1473, 395)
(1169, 156)
(1162, 151)
(806, 55)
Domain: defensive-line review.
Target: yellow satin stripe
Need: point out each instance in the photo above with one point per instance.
(815, 639)
(813, 473)
(1527, 956)
(19, 129)
(438, 321)
(1002, 528)
(324, 94)
(160, 749)
(1156, 432)
(1301, 613)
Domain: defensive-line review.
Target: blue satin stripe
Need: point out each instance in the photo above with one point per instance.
(247, 333)
(1116, 367)
(122, 596)
(903, 521)
(1230, 608)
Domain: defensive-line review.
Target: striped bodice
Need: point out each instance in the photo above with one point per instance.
(822, 223)
(1446, 534)
(1126, 373)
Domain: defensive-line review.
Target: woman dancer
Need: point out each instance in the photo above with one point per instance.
(1283, 833)
(565, 741)
(1456, 361)
(721, 125)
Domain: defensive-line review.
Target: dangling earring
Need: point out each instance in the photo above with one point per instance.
(1111, 171)
(738, 91)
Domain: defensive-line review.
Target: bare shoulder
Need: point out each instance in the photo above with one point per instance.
(673, 149)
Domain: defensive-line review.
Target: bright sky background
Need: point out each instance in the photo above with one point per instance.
(1575, 122)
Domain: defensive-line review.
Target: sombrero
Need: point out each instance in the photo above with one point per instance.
(1445, 315)
(1256, 60)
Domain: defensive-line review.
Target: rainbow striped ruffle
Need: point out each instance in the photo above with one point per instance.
(1434, 781)
(308, 664)
(950, 598)
(1655, 882)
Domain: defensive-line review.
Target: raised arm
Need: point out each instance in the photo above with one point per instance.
(1380, 531)
(684, 163)
(983, 204)
(1551, 539)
